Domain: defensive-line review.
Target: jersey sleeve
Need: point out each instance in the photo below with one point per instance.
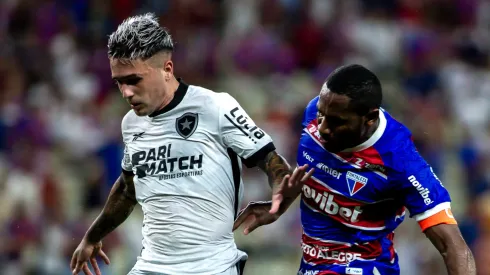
(239, 132)
(421, 191)
(126, 161)
(126, 164)
(310, 112)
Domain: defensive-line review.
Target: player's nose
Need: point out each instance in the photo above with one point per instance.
(323, 128)
(126, 91)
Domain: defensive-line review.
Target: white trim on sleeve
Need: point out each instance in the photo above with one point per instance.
(431, 212)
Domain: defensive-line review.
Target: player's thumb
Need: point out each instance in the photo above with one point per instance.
(237, 224)
(276, 203)
(242, 217)
(252, 227)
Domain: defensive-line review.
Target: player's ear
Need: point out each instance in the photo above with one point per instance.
(372, 116)
(168, 69)
(168, 66)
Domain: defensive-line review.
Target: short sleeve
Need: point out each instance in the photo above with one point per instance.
(421, 191)
(126, 161)
(239, 132)
(126, 164)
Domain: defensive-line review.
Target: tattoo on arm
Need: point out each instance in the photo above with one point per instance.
(276, 168)
(456, 254)
(118, 207)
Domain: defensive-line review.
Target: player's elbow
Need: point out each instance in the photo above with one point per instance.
(458, 253)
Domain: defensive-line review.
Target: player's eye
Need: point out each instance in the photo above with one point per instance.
(127, 81)
(335, 121)
(133, 81)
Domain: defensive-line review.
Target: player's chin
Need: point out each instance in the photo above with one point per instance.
(141, 112)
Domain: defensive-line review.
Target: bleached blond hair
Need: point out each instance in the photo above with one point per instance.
(139, 37)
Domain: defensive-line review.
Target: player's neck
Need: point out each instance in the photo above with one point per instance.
(173, 86)
(370, 132)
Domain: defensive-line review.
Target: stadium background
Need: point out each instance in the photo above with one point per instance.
(60, 113)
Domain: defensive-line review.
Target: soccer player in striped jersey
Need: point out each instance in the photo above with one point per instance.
(368, 173)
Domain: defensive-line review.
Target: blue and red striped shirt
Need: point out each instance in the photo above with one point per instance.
(355, 199)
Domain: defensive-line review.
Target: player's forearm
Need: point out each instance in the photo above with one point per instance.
(276, 167)
(119, 205)
(459, 261)
(457, 256)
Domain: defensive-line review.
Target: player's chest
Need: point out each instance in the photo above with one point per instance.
(182, 130)
(336, 175)
(171, 144)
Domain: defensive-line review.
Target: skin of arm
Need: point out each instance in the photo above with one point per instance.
(276, 167)
(118, 207)
(456, 254)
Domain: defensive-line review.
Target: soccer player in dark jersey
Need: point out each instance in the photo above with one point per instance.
(367, 173)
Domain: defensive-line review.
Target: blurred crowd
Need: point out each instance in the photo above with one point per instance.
(60, 112)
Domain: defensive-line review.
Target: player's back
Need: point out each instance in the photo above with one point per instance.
(356, 199)
(187, 180)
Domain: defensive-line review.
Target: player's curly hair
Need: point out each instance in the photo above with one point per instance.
(358, 83)
(139, 37)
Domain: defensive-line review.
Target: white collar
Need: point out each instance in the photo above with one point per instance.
(374, 137)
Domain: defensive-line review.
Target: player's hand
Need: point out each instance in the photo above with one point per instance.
(84, 253)
(254, 215)
(290, 187)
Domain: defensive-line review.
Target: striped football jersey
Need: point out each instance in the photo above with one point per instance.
(355, 199)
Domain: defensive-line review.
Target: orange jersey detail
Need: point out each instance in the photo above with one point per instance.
(442, 217)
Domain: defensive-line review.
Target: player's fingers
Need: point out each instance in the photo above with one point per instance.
(297, 175)
(86, 270)
(276, 203)
(73, 262)
(78, 267)
(104, 257)
(93, 262)
(297, 172)
(242, 216)
(284, 181)
(308, 175)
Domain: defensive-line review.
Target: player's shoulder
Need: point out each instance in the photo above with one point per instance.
(310, 112)
(208, 98)
(311, 107)
(397, 146)
(397, 136)
(130, 121)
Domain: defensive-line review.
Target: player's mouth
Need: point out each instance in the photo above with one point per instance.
(135, 105)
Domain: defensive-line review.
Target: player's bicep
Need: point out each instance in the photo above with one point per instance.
(444, 236)
(240, 133)
(427, 200)
(423, 194)
(127, 184)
